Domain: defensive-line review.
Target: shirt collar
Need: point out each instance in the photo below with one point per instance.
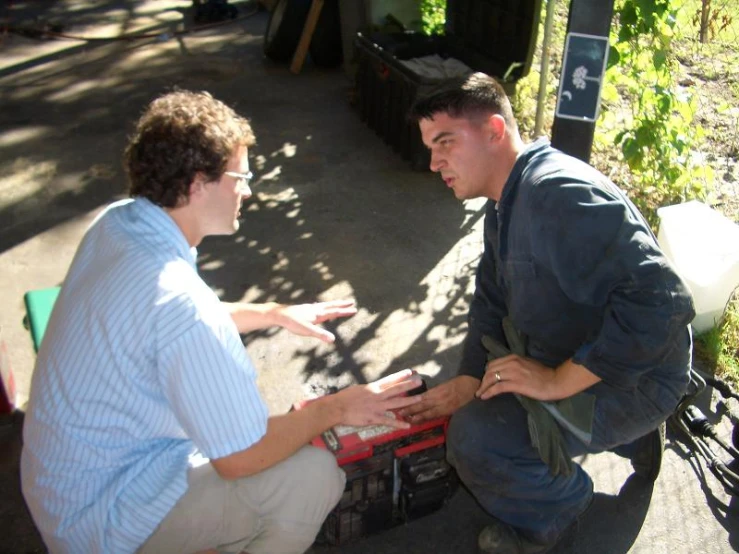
(160, 230)
(522, 160)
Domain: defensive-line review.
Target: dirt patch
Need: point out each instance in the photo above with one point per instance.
(710, 72)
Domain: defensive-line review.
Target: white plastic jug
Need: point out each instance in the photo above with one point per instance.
(703, 245)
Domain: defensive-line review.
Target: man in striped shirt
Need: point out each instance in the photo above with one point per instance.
(142, 372)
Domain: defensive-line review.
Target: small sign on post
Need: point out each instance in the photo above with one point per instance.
(582, 77)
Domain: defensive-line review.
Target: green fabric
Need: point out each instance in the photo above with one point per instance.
(39, 304)
(574, 413)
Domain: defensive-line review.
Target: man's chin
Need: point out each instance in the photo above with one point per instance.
(226, 232)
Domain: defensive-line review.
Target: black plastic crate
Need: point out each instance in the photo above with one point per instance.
(388, 490)
(497, 37)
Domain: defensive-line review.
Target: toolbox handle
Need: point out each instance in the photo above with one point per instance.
(418, 446)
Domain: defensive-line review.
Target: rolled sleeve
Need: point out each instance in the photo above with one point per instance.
(604, 256)
(210, 384)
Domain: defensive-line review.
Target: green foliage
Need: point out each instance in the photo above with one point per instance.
(433, 16)
(658, 136)
(719, 347)
(524, 103)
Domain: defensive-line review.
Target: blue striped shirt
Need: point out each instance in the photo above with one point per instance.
(140, 367)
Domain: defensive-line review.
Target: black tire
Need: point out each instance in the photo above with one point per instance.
(284, 29)
(212, 11)
(325, 46)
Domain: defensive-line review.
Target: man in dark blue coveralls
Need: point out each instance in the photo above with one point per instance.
(576, 312)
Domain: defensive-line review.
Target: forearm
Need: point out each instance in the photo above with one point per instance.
(285, 435)
(250, 317)
(444, 399)
(356, 405)
(645, 331)
(531, 378)
(571, 378)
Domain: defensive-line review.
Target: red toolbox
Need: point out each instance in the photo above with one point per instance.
(392, 476)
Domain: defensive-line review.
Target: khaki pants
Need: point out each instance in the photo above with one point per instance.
(277, 511)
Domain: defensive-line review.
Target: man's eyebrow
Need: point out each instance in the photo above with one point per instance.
(440, 136)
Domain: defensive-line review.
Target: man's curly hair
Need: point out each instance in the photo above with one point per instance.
(180, 134)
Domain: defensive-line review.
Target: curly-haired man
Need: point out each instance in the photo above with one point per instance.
(145, 430)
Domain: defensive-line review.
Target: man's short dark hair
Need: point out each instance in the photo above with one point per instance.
(469, 96)
(181, 134)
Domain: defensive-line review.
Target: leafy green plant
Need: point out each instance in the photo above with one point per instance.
(658, 136)
(524, 103)
(433, 16)
(719, 347)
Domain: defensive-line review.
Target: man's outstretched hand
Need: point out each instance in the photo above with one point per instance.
(373, 404)
(305, 319)
(442, 400)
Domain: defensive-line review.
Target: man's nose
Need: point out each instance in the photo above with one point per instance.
(245, 191)
(436, 162)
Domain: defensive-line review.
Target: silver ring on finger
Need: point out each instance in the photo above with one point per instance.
(498, 378)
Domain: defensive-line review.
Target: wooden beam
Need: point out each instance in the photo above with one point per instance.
(310, 26)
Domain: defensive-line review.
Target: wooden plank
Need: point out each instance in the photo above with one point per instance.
(310, 26)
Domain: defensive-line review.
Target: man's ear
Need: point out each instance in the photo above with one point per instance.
(197, 187)
(497, 127)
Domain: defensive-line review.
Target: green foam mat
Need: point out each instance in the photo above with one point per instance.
(39, 304)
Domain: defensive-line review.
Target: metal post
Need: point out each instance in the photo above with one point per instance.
(591, 17)
(543, 77)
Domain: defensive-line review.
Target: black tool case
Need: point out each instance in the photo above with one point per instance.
(497, 37)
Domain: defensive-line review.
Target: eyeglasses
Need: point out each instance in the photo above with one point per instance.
(243, 178)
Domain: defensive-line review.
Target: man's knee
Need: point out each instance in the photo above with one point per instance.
(320, 476)
(301, 492)
(487, 432)
(460, 443)
(475, 428)
(304, 488)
